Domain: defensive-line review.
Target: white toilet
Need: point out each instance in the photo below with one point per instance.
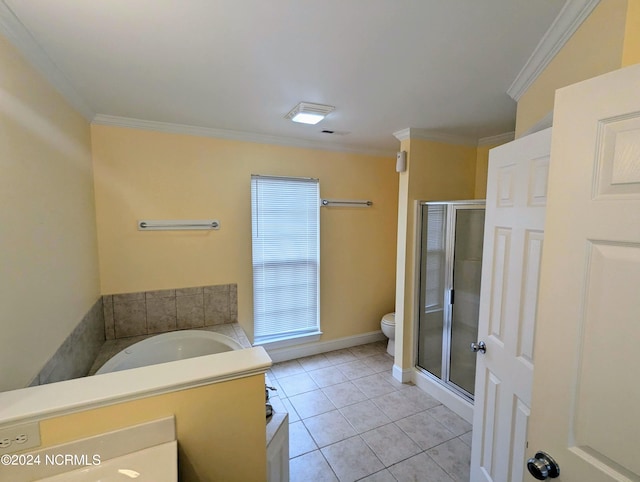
(388, 325)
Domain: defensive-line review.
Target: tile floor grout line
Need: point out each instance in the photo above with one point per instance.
(375, 351)
(330, 468)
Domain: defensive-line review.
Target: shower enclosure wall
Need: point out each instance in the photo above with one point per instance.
(450, 269)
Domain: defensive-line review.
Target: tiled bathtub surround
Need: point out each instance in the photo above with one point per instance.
(77, 353)
(149, 312)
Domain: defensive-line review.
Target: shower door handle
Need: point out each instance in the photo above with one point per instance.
(479, 347)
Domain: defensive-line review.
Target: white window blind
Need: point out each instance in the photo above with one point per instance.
(285, 218)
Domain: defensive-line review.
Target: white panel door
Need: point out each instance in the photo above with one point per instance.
(586, 395)
(513, 236)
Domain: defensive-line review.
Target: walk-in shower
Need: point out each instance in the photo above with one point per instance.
(450, 270)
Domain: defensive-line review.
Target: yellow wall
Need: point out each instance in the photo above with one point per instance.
(631, 50)
(48, 253)
(435, 171)
(151, 175)
(220, 428)
(594, 49)
(482, 170)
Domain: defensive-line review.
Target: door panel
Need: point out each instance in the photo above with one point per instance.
(489, 405)
(531, 280)
(499, 293)
(586, 392)
(514, 236)
(604, 352)
(521, 413)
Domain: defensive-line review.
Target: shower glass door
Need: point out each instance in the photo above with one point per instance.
(467, 268)
(450, 268)
(432, 288)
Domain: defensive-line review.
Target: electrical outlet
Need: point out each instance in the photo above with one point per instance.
(19, 437)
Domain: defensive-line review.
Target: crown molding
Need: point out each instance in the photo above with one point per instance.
(12, 28)
(403, 134)
(495, 140)
(131, 123)
(429, 135)
(563, 27)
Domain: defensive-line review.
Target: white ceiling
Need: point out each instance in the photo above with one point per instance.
(241, 65)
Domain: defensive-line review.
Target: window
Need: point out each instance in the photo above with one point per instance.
(285, 218)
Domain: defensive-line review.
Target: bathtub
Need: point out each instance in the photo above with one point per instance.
(172, 346)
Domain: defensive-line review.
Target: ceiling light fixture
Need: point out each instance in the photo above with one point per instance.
(308, 113)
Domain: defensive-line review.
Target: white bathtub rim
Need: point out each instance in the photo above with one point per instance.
(80, 394)
(131, 351)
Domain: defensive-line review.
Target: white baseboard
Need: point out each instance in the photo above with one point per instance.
(403, 376)
(308, 349)
(462, 407)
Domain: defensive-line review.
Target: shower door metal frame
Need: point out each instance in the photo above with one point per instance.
(452, 208)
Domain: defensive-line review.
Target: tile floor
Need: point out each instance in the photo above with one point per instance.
(349, 420)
